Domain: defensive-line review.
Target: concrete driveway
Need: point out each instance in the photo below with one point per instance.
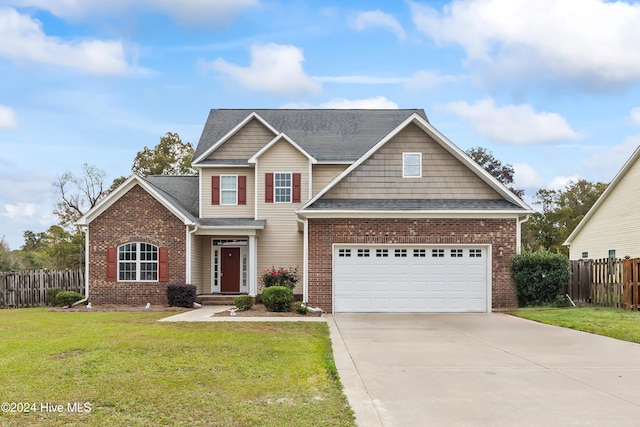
(483, 370)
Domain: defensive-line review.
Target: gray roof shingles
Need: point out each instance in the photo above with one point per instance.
(412, 204)
(327, 135)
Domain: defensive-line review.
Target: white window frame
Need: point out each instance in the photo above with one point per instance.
(138, 261)
(276, 187)
(404, 165)
(227, 190)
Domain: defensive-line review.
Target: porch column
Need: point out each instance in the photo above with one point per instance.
(253, 266)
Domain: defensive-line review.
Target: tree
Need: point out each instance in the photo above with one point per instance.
(561, 211)
(170, 157)
(8, 261)
(78, 194)
(503, 173)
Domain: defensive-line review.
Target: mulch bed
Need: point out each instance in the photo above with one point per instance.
(259, 310)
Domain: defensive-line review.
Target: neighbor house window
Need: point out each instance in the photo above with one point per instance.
(585, 255)
(612, 253)
(411, 165)
(138, 262)
(282, 187)
(228, 190)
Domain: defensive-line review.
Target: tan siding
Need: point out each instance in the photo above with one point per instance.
(323, 174)
(227, 211)
(196, 263)
(206, 263)
(280, 243)
(443, 176)
(615, 224)
(245, 143)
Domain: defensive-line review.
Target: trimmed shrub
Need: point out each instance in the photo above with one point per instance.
(66, 298)
(277, 298)
(51, 295)
(243, 302)
(300, 307)
(280, 277)
(540, 277)
(180, 295)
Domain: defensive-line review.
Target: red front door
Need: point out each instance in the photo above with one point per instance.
(230, 269)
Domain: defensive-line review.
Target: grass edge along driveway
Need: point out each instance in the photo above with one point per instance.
(114, 369)
(610, 322)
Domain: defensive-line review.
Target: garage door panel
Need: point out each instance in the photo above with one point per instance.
(410, 279)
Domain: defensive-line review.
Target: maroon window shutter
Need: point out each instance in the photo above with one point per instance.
(296, 187)
(112, 264)
(268, 188)
(163, 264)
(242, 190)
(215, 190)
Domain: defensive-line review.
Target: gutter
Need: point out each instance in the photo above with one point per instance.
(519, 232)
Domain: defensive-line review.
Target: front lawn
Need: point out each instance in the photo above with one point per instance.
(610, 322)
(116, 369)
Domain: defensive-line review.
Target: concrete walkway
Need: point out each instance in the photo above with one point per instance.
(483, 370)
(205, 314)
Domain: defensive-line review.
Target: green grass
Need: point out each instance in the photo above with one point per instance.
(610, 322)
(135, 371)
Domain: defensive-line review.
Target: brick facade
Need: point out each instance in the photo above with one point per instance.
(135, 217)
(323, 233)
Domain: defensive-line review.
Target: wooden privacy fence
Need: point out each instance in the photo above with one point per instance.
(608, 282)
(24, 289)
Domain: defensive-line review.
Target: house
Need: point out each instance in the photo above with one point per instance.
(610, 228)
(376, 208)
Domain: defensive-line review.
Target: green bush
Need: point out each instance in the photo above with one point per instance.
(277, 298)
(51, 295)
(179, 295)
(279, 277)
(300, 307)
(243, 302)
(540, 277)
(66, 298)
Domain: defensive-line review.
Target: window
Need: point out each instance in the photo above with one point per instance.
(363, 252)
(585, 255)
(612, 253)
(411, 165)
(138, 262)
(437, 253)
(346, 253)
(475, 253)
(228, 190)
(456, 253)
(382, 252)
(402, 253)
(282, 187)
(420, 253)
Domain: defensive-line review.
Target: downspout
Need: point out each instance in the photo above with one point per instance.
(519, 232)
(305, 258)
(86, 267)
(190, 234)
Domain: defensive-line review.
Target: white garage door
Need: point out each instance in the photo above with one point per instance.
(410, 279)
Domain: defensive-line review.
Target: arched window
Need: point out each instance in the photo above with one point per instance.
(138, 262)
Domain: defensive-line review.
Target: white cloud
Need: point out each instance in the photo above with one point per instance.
(274, 68)
(19, 210)
(218, 12)
(376, 18)
(561, 182)
(514, 124)
(603, 165)
(377, 102)
(593, 42)
(24, 40)
(363, 80)
(526, 176)
(635, 115)
(8, 118)
(425, 79)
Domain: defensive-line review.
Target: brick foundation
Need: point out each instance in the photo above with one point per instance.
(135, 217)
(323, 233)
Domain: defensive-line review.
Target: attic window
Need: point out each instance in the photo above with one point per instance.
(411, 165)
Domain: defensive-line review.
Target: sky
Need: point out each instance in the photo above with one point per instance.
(548, 86)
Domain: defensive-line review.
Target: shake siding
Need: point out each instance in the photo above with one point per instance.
(227, 211)
(443, 176)
(323, 174)
(245, 143)
(280, 243)
(615, 224)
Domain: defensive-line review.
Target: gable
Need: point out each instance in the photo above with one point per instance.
(443, 175)
(244, 143)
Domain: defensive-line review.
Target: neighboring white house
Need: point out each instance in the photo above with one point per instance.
(611, 228)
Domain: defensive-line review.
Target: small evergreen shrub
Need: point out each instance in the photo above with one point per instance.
(66, 298)
(180, 295)
(280, 277)
(51, 295)
(540, 277)
(243, 302)
(277, 298)
(300, 307)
